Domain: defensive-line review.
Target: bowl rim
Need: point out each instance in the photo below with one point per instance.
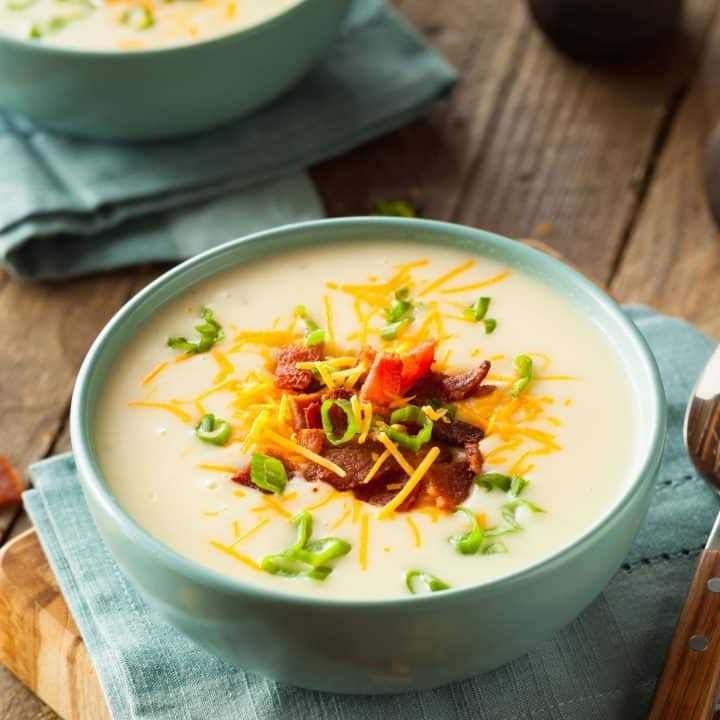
(121, 55)
(90, 476)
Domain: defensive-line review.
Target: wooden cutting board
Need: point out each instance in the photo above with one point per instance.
(39, 641)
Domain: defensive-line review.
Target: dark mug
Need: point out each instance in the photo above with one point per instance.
(606, 29)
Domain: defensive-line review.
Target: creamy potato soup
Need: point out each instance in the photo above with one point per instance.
(364, 421)
(131, 24)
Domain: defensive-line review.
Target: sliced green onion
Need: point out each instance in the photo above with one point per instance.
(399, 315)
(494, 480)
(17, 5)
(210, 332)
(416, 580)
(517, 485)
(268, 473)
(524, 367)
(394, 208)
(289, 566)
(495, 548)
(470, 542)
(213, 430)
(51, 26)
(138, 17)
(319, 552)
(314, 334)
(478, 309)
(513, 484)
(306, 558)
(391, 331)
(437, 404)
(352, 428)
(304, 523)
(412, 414)
(490, 325)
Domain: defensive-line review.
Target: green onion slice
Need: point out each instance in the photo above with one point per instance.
(314, 334)
(391, 331)
(213, 430)
(210, 332)
(306, 558)
(412, 414)
(399, 315)
(418, 582)
(478, 309)
(495, 548)
(394, 208)
(352, 428)
(524, 367)
(289, 566)
(138, 17)
(268, 473)
(470, 542)
(513, 484)
(17, 5)
(490, 325)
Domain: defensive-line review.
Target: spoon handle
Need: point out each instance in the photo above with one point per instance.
(688, 686)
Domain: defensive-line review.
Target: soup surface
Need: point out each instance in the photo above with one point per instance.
(132, 24)
(366, 421)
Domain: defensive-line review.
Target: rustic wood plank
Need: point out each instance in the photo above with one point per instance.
(531, 142)
(672, 259)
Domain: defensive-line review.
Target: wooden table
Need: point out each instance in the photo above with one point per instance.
(603, 164)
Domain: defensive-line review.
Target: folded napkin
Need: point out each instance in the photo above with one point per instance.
(73, 205)
(601, 667)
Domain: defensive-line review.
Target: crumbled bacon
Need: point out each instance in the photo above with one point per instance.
(435, 386)
(305, 410)
(377, 492)
(312, 439)
(357, 461)
(287, 375)
(464, 385)
(11, 486)
(389, 377)
(457, 433)
(474, 457)
(449, 484)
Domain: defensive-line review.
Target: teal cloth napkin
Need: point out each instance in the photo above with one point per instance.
(601, 667)
(71, 206)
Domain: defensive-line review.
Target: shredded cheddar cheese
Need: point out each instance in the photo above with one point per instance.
(377, 465)
(309, 454)
(233, 553)
(154, 372)
(364, 532)
(174, 409)
(414, 529)
(393, 449)
(414, 479)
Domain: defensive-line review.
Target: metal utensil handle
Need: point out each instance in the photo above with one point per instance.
(688, 686)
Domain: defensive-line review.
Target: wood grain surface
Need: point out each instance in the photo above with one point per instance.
(603, 164)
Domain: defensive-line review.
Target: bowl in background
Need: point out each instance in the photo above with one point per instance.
(179, 90)
(385, 645)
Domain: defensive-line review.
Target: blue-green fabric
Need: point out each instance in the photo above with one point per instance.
(71, 206)
(601, 667)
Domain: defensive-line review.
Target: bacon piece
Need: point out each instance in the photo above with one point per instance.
(416, 363)
(449, 388)
(384, 380)
(287, 375)
(474, 457)
(357, 461)
(11, 486)
(305, 410)
(464, 385)
(376, 492)
(457, 433)
(449, 483)
(312, 439)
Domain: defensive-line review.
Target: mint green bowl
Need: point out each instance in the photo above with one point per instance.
(150, 94)
(375, 646)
